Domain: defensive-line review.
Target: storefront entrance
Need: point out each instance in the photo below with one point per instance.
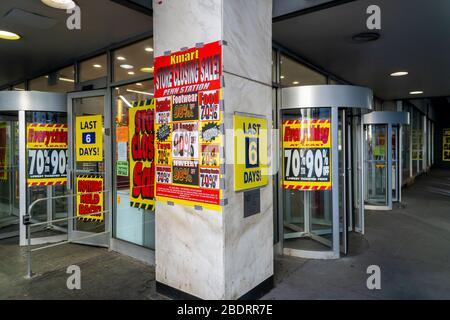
(321, 157)
(382, 163)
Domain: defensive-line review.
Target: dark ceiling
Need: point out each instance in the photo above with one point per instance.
(414, 37)
(48, 43)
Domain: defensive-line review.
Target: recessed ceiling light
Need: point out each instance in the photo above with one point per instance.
(6, 35)
(97, 65)
(147, 70)
(121, 58)
(282, 77)
(126, 66)
(399, 74)
(295, 82)
(139, 84)
(416, 92)
(149, 49)
(140, 92)
(131, 73)
(60, 4)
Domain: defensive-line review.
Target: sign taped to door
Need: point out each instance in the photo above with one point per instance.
(46, 154)
(90, 203)
(307, 154)
(446, 144)
(250, 152)
(188, 126)
(142, 154)
(89, 138)
(4, 147)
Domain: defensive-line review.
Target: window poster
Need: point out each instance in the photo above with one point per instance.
(4, 151)
(446, 145)
(89, 138)
(89, 190)
(307, 154)
(46, 154)
(188, 126)
(142, 155)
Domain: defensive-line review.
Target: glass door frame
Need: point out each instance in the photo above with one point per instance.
(389, 119)
(102, 239)
(334, 97)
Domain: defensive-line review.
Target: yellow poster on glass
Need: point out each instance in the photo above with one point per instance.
(89, 138)
(250, 152)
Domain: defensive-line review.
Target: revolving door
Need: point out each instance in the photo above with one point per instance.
(321, 196)
(33, 164)
(382, 131)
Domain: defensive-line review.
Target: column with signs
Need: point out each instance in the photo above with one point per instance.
(89, 148)
(307, 154)
(188, 126)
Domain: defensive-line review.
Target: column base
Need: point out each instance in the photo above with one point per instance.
(256, 293)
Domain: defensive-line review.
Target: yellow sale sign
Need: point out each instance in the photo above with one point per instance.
(90, 198)
(89, 138)
(250, 152)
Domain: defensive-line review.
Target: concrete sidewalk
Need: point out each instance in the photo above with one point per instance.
(411, 244)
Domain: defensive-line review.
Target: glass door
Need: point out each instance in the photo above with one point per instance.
(9, 177)
(89, 168)
(376, 165)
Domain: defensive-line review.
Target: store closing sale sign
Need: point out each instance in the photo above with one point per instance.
(142, 154)
(47, 154)
(89, 138)
(188, 126)
(307, 154)
(250, 152)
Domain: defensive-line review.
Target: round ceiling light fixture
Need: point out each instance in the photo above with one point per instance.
(60, 4)
(366, 37)
(6, 35)
(399, 74)
(126, 66)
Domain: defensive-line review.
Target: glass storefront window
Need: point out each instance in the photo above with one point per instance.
(406, 151)
(59, 81)
(94, 68)
(130, 224)
(296, 74)
(134, 61)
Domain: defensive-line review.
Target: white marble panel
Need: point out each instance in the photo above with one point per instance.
(189, 250)
(247, 28)
(183, 23)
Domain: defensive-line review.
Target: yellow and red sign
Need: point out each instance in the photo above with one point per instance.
(188, 126)
(142, 154)
(89, 138)
(250, 152)
(47, 154)
(90, 203)
(4, 147)
(307, 154)
(446, 144)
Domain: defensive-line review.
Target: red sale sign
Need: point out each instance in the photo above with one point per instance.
(188, 126)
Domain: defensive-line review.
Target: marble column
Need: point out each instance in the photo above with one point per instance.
(203, 253)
